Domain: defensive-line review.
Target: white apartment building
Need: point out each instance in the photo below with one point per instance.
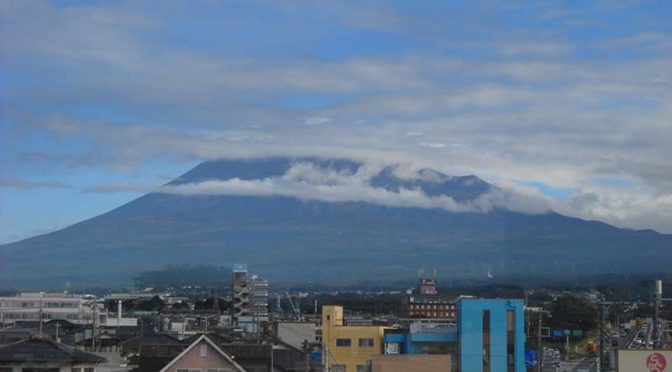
(45, 306)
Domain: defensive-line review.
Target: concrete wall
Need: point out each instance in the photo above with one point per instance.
(294, 333)
(415, 363)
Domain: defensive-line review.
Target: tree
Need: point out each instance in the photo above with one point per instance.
(571, 312)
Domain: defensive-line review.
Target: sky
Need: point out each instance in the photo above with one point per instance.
(569, 102)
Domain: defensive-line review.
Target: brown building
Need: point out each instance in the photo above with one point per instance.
(408, 362)
(428, 303)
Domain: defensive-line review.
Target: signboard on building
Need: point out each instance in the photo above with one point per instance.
(644, 361)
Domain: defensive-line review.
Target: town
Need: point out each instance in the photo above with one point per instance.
(249, 326)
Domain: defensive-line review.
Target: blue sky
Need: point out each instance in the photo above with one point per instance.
(564, 100)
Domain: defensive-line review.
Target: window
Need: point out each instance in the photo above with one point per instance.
(343, 342)
(338, 368)
(363, 368)
(486, 340)
(204, 351)
(365, 342)
(88, 369)
(76, 369)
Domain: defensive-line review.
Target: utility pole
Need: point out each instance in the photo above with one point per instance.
(326, 359)
(602, 311)
(41, 295)
(540, 357)
(93, 327)
(657, 327)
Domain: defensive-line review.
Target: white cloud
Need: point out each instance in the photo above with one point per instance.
(433, 145)
(306, 182)
(562, 121)
(317, 120)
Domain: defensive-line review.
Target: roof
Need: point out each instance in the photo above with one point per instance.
(150, 339)
(41, 350)
(203, 338)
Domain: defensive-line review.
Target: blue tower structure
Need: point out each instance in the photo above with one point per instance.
(491, 335)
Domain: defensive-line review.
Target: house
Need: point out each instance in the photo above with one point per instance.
(203, 355)
(41, 355)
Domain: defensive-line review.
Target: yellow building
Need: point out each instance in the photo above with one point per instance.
(348, 348)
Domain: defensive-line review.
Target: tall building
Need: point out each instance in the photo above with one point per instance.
(492, 335)
(241, 293)
(250, 299)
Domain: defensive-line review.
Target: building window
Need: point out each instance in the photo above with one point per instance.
(88, 369)
(510, 339)
(204, 351)
(365, 342)
(338, 368)
(486, 340)
(363, 368)
(74, 369)
(344, 342)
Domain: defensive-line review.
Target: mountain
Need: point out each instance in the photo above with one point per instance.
(358, 223)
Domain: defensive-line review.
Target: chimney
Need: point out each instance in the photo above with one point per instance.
(119, 313)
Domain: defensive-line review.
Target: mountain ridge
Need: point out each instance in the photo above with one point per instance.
(291, 239)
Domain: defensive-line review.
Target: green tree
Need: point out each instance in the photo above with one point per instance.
(571, 312)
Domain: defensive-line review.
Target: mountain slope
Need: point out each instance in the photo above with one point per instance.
(285, 238)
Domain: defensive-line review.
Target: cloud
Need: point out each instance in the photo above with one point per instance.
(316, 120)
(111, 188)
(27, 184)
(307, 182)
(433, 145)
(436, 88)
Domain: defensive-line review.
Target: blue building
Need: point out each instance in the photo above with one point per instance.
(492, 335)
(423, 338)
(488, 337)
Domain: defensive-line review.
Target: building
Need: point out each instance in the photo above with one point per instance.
(491, 335)
(297, 334)
(250, 299)
(415, 363)
(348, 348)
(423, 337)
(488, 337)
(428, 303)
(643, 360)
(44, 355)
(203, 355)
(45, 306)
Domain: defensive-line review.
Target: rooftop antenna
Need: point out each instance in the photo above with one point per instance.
(215, 300)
